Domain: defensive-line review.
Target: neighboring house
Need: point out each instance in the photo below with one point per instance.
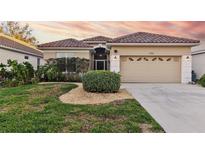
(11, 48)
(198, 62)
(138, 57)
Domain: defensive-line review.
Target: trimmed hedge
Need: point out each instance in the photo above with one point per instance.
(101, 81)
(202, 81)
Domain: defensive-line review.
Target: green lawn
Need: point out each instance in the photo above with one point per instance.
(36, 108)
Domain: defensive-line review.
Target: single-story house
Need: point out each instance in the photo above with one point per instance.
(11, 48)
(198, 62)
(138, 57)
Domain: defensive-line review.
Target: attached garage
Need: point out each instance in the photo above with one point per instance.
(164, 69)
(152, 58)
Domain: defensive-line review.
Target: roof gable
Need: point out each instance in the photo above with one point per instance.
(144, 37)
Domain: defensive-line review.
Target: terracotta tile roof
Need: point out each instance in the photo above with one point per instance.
(67, 43)
(144, 37)
(98, 39)
(19, 46)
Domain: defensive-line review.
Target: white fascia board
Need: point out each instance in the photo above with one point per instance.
(152, 44)
(62, 48)
(198, 52)
(20, 51)
(94, 41)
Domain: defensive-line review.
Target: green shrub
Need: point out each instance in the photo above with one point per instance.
(49, 72)
(202, 81)
(15, 74)
(30, 70)
(73, 77)
(101, 81)
(3, 72)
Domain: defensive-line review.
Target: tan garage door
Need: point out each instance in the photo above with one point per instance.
(150, 69)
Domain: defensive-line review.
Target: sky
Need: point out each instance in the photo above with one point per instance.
(55, 30)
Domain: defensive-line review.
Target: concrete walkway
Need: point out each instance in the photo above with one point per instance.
(176, 107)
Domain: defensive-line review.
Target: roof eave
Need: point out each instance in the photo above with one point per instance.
(64, 48)
(153, 44)
(198, 52)
(95, 41)
(21, 51)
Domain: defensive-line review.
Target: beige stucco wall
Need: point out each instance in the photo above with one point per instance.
(198, 64)
(48, 55)
(180, 51)
(151, 50)
(76, 53)
(8, 54)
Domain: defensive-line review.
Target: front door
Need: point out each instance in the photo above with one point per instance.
(99, 64)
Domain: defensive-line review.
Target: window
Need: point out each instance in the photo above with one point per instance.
(64, 54)
(26, 57)
(71, 64)
(62, 64)
(70, 55)
(146, 59)
(66, 62)
(131, 59)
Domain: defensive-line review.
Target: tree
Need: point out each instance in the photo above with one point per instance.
(21, 32)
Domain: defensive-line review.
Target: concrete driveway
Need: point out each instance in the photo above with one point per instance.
(176, 107)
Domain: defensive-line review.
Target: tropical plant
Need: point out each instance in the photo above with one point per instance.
(15, 73)
(3, 72)
(30, 69)
(49, 72)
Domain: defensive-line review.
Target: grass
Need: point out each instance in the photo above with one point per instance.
(36, 108)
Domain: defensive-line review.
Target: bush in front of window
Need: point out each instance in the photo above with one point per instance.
(71, 64)
(68, 69)
(73, 77)
(202, 81)
(101, 81)
(49, 72)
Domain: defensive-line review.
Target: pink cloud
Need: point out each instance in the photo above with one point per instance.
(79, 30)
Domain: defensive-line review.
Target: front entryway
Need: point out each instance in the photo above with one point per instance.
(100, 58)
(100, 64)
(161, 69)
